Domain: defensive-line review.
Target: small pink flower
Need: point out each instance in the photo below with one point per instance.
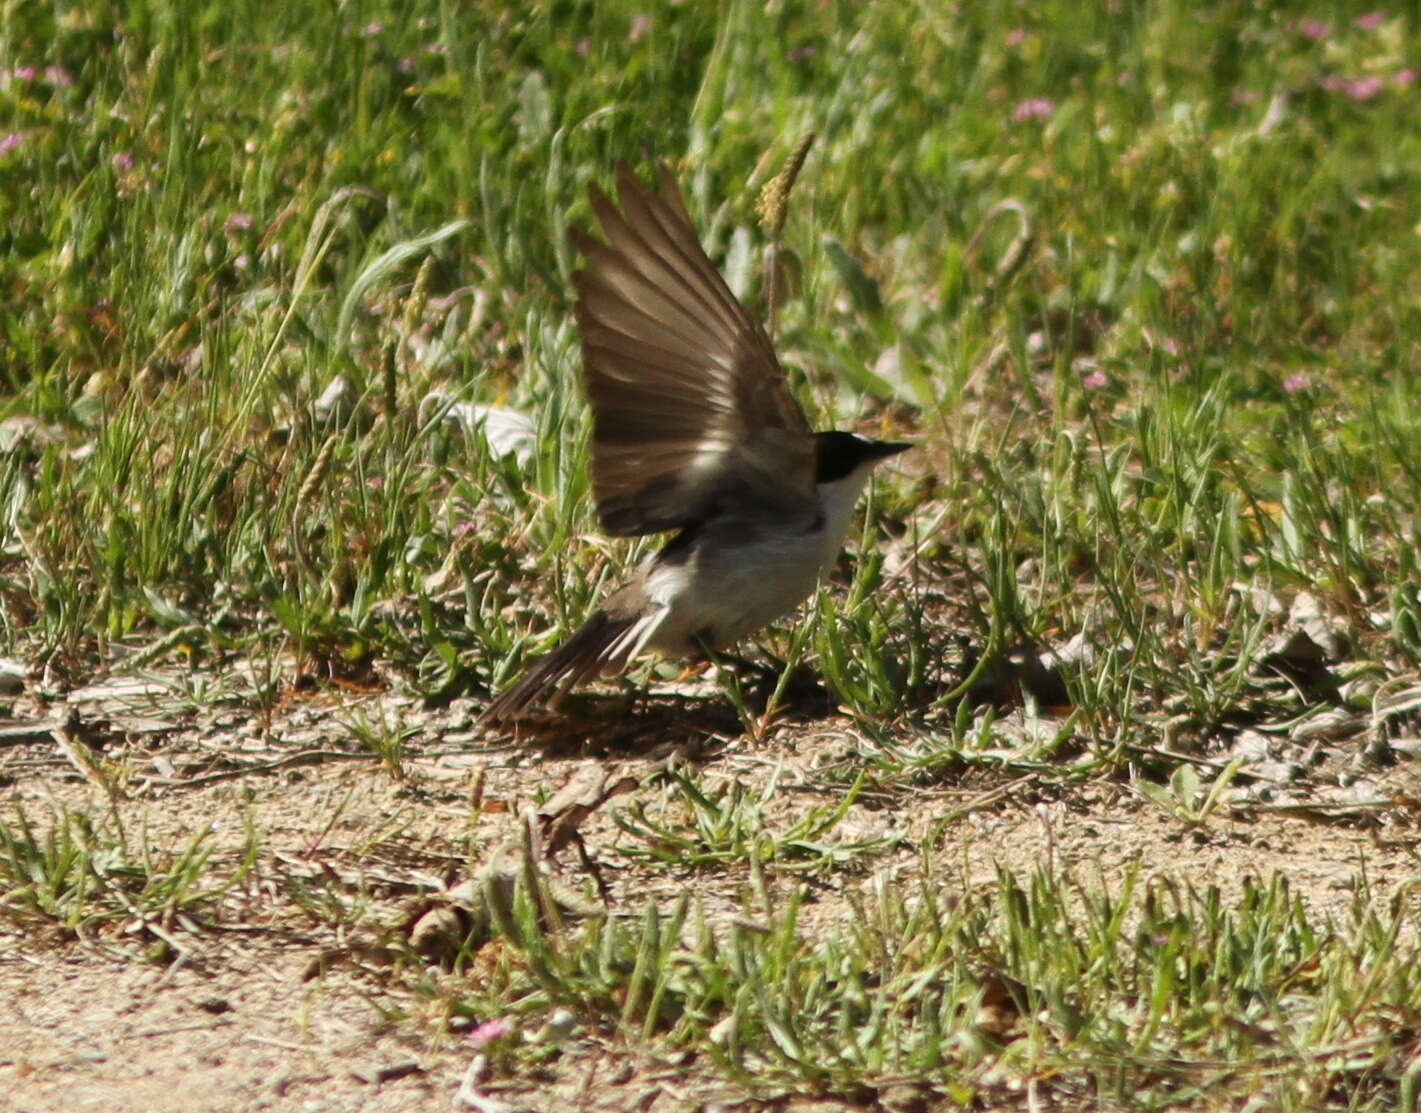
(376, 482)
(238, 222)
(122, 162)
(1370, 22)
(1095, 380)
(1332, 83)
(1364, 88)
(58, 76)
(405, 65)
(11, 141)
(1170, 345)
(1016, 36)
(1402, 78)
(583, 47)
(437, 48)
(489, 1030)
(641, 24)
(24, 73)
(1296, 382)
(370, 30)
(1315, 29)
(1037, 108)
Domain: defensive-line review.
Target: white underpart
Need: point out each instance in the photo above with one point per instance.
(733, 590)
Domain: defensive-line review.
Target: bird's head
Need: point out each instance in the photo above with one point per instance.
(840, 456)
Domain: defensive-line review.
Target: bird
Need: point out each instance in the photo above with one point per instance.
(694, 433)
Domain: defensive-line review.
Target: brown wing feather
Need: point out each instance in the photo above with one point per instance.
(689, 401)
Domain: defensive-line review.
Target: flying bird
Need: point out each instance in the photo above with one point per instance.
(694, 431)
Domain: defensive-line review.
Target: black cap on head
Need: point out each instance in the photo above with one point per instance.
(838, 454)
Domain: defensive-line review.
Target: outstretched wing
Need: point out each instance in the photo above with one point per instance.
(689, 402)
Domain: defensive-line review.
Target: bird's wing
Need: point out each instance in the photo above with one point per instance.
(689, 402)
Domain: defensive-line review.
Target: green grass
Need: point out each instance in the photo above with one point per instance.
(243, 244)
(729, 825)
(1161, 997)
(94, 884)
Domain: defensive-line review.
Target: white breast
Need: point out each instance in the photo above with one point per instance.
(730, 585)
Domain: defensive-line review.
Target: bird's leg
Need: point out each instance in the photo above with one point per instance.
(729, 677)
(766, 679)
(766, 671)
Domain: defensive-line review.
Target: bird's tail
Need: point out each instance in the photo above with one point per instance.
(602, 646)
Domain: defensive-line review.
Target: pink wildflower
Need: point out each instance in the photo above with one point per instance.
(1016, 36)
(1369, 22)
(1095, 380)
(1364, 88)
(1402, 78)
(489, 1030)
(58, 76)
(1296, 382)
(9, 142)
(122, 162)
(1037, 108)
(1315, 29)
(238, 222)
(24, 73)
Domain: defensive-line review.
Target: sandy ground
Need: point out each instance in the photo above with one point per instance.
(249, 1017)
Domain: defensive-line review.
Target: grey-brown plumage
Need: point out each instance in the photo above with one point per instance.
(687, 395)
(694, 429)
(583, 657)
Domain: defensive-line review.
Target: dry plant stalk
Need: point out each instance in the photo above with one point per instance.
(772, 208)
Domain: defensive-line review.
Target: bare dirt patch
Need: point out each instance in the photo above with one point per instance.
(288, 982)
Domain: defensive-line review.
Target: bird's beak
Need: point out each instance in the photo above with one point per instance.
(881, 450)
